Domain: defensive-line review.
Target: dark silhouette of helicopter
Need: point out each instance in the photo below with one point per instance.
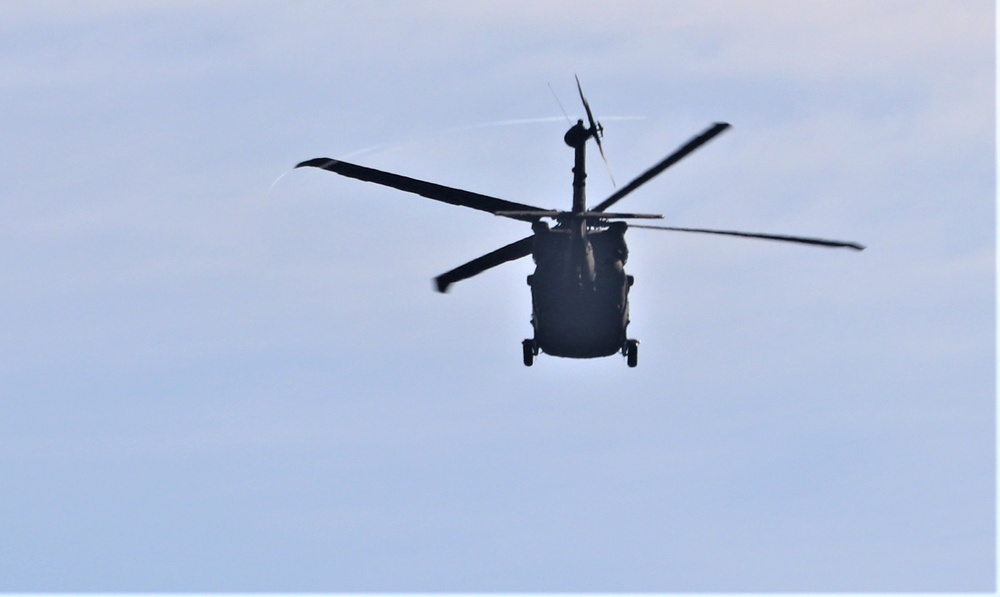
(579, 290)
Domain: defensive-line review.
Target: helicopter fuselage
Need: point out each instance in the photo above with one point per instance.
(579, 290)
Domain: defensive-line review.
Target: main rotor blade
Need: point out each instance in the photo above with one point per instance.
(515, 250)
(422, 188)
(667, 162)
(792, 239)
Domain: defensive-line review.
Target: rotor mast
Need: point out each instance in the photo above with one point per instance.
(576, 137)
(581, 255)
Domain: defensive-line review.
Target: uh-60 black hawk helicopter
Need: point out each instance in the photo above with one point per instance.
(579, 290)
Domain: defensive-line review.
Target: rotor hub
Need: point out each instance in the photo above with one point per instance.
(577, 135)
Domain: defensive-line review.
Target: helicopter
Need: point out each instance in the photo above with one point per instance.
(579, 289)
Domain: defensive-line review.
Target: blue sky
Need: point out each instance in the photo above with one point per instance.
(213, 381)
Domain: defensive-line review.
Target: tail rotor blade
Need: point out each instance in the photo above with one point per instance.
(568, 121)
(596, 130)
(606, 163)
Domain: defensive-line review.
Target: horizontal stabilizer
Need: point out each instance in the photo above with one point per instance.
(569, 215)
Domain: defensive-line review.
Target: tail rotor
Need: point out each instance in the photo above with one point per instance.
(596, 130)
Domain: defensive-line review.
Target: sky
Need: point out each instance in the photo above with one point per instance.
(220, 374)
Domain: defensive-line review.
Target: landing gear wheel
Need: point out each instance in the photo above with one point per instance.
(631, 352)
(528, 349)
